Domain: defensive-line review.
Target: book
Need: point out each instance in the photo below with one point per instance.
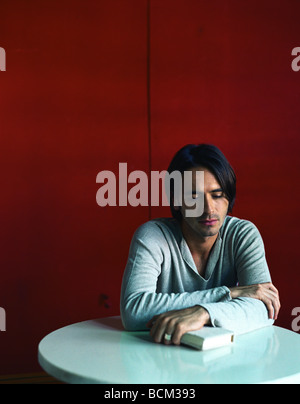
(208, 338)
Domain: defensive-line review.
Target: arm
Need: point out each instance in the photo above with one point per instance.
(266, 292)
(233, 315)
(251, 305)
(139, 298)
(255, 302)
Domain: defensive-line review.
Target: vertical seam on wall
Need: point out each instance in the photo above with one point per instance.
(149, 101)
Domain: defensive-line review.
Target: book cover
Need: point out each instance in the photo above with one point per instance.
(208, 338)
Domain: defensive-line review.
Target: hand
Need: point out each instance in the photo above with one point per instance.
(176, 323)
(266, 292)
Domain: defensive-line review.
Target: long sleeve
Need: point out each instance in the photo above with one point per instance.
(160, 276)
(141, 296)
(243, 314)
(239, 315)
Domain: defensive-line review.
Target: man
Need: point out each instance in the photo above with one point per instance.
(182, 272)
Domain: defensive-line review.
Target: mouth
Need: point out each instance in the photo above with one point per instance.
(208, 222)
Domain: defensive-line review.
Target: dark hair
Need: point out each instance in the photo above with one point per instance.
(210, 157)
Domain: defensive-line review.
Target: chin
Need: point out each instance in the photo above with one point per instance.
(210, 234)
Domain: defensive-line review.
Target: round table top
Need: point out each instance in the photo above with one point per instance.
(100, 351)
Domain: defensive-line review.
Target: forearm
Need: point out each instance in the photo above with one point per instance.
(239, 315)
(266, 292)
(138, 308)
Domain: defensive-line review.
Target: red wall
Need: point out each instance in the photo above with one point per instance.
(83, 92)
(221, 73)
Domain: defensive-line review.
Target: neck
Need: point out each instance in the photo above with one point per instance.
(197, 243)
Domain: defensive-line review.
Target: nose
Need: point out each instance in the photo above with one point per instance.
(208, 205)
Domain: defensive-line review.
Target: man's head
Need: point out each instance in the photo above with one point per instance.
(219, 183)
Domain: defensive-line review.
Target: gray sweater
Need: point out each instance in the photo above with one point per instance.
(161, 275)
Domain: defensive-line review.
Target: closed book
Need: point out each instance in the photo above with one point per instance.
(208, 338)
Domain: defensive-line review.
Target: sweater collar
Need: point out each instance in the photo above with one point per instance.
(212, 259)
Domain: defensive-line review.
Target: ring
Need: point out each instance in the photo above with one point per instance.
(167, 337)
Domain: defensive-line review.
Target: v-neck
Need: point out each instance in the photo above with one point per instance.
(211, 261)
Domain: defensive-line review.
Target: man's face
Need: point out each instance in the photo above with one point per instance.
(214, 210)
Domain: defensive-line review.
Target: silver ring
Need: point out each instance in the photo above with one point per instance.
(167, 337)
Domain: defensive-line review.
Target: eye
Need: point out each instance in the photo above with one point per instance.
(218, 196)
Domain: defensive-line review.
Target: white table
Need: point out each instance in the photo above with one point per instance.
(100, 351)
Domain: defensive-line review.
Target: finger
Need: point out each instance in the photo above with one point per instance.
(272, 287)
(155, 323)
(269, 297)
(277, 307)
(274, 307)
(159, 329)
(275, 293)
(275, 302)
(151, 322)
(169, 334)
(153, 330)
(266, 298)
(178, 333)
(270, 309)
